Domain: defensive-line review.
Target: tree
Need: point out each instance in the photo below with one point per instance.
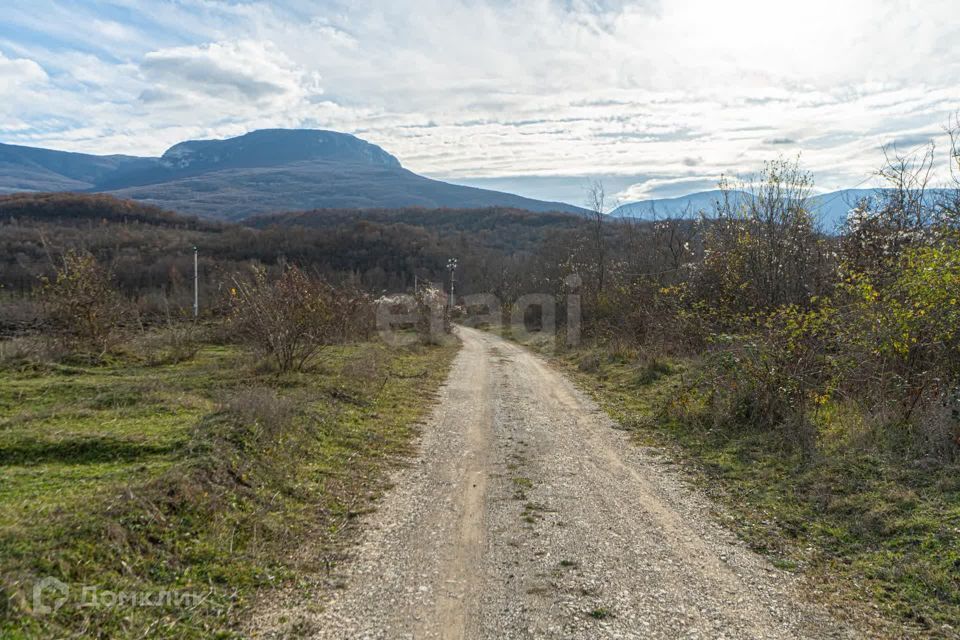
(898, 217)
(597, 205)
(949, 202)
(764, 249)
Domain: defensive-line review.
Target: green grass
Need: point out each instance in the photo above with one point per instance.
(600, 613)
(197, 477)
(858, 525)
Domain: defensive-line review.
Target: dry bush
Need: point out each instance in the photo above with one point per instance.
(354, 316)
(261, 412)
(881, 228)
(29, 351)
(647, 316)
(771, 376)
(291, 319)
(590, 363)
(19, 315)
(251, 441)
(177, 339)
(764, 250)
(158, 306)
(933, 433)
(82, 307)
(170, 344)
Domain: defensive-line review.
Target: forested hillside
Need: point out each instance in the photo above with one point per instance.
(151, 250)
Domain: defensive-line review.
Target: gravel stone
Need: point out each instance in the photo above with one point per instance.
(527, 514)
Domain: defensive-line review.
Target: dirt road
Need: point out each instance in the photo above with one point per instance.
(528, 515)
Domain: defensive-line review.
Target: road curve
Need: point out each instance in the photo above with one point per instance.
(528, 515)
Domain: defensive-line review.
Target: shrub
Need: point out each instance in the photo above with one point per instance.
(19, 315)
(177, 342)
(353, 314)
(29, 352)
(81, 304)
(263, 415)
(774, 374)
(764, 249)
(904, 336)
(292, 318)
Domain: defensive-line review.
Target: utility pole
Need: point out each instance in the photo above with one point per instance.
(452, 267)
(196, 286)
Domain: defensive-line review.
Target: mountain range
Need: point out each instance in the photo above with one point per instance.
(831, 209)
(259, 172)
(273, 170)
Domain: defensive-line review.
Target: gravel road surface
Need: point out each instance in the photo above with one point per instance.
(527, 514)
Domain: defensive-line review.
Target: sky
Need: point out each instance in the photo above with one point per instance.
(656, 98)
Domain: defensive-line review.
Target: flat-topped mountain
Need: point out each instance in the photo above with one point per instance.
(259, 172)
(271, 147)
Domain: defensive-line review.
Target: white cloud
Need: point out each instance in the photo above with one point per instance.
(679, 90)
(17, 73)
(244, 73)
(665, 188)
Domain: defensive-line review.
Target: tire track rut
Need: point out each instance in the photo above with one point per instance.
(526, 514)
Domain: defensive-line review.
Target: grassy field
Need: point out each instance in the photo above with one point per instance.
(186, 485)
(857, 525)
